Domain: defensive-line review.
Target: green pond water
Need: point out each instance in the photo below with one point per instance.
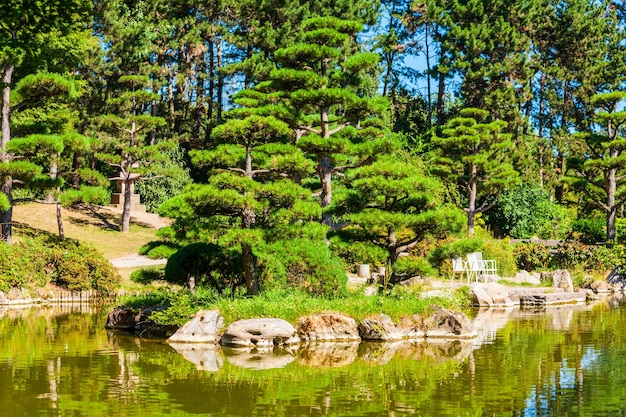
(566, 361)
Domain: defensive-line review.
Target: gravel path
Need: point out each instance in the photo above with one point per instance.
(134, 261)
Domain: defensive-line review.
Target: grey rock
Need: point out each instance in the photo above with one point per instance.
(562, 279)
(327, 327)
(449, 324)
(412, 327)
(491, 295)
(380, 327)
(205, 327)
(262, 333)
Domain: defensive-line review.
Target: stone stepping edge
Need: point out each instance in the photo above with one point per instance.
(207, 327)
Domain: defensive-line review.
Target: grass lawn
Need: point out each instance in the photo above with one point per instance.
(96, 225)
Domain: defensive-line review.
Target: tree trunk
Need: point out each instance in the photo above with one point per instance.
(127, 203)
(441, 92)
(611, 185)
(220, 83)
(249, 269)
(60, 222)
(325, 173)
(428, 78)
(50, 194)
(471, 207)
(6, 217)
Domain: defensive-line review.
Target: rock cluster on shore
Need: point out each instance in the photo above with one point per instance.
(206, 327)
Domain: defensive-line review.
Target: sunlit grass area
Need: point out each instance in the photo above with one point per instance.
(95, 225)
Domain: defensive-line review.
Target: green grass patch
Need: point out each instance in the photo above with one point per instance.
(291, 304)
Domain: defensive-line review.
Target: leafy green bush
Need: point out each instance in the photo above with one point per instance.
(589, 230)
(308, 265)
(160, 188)
(605, 258)
(527, 211)
(86, 195)
(33, 262)
(25, 263)
(531, 256)
(79, 266)
(408, 266)
(147, 275)
(572, 255)
(208, 264)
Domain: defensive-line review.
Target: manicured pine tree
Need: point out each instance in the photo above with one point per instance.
(126, 147)
(249, 196)
(43, 129)
(394, 205)
(474, 158)
(325, 85)
(601, 172)
(21, 23)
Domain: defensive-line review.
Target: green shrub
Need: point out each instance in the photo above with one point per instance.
(589, 230)
(162, 187)
(208, 264)
(308, 265)
(86, 195)
(408, 266)
(26, 263)
(527, 211)
(531, 256)
(605, 258)
(572, 255)
(33, 262)
(147, 275)
(80, 266)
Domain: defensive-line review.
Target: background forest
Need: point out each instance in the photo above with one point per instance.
(290, 140)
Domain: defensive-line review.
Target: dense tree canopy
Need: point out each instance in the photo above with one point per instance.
(296, 119)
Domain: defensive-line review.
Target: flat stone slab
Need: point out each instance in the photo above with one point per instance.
(205, 327)
(260, 333)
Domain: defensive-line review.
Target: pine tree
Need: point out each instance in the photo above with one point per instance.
(394, 205)
(474, 157)
(250, 199)
(21, 24)
(324, 83)
(601, 173)
(126, 147)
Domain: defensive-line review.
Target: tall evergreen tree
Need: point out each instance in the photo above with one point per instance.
(250, 199)
(127, 147)
(601, 172)
(324, 83)
(394, 205)
(474, 157)
(21, 23)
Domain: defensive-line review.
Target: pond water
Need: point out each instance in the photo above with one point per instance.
(566, 361)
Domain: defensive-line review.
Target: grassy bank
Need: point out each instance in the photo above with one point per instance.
(290, 304)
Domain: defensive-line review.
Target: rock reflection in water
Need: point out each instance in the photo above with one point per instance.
(328, 354)
(258, 358)
(206, 356)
